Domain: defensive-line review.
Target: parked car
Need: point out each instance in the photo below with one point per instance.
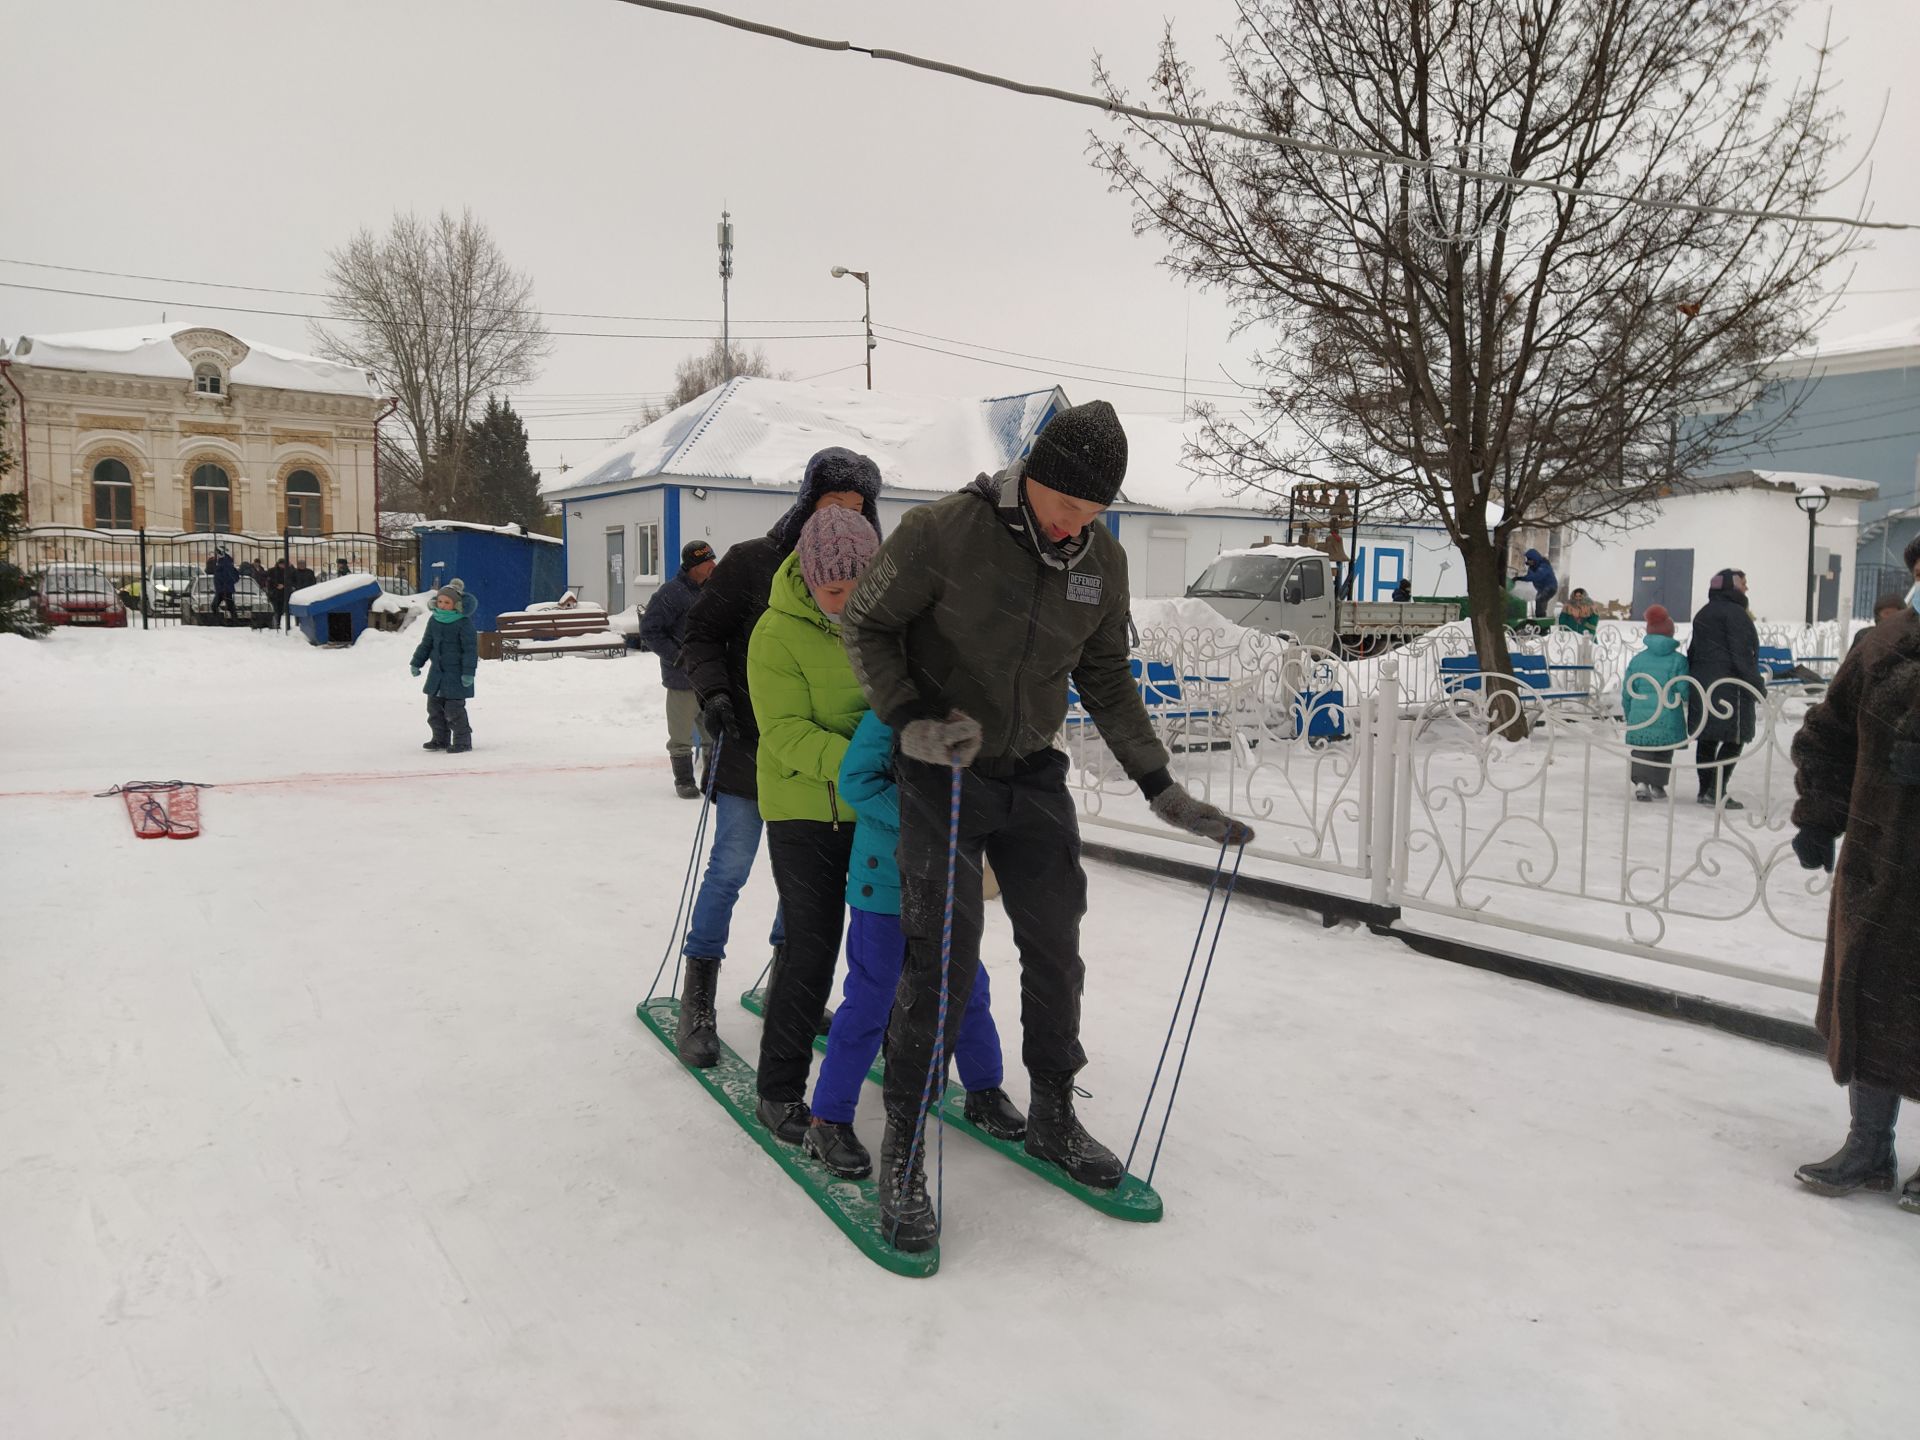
(71, 595)
(395, 585)
(167, 585)
(249, 602)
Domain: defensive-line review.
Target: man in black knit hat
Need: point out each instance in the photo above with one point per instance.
(964, 633)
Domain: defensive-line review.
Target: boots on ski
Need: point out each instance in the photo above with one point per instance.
(907, 1221)
(789, 1120)
(1866, 1160)
(437, 743)
(697, 1038)
(1055, 1133)
(683, 784)
(836, 1146)
(992, 1111)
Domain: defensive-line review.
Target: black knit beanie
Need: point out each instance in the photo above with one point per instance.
(1082, 453)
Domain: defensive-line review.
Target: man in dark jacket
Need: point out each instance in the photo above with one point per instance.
(1724, 660)
(1546, 584)
(663, 630)
(715, 658)
(1857, 771)
(964, 634)
(226, 579)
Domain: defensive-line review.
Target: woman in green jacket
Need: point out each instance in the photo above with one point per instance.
(807, 704)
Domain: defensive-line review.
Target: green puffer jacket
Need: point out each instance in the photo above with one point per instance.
(806, 701)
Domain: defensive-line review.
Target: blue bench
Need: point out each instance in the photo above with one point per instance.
(1163, 692)
(1778, 667)
(1532, 673)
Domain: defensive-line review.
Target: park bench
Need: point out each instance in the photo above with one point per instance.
(559, 630)
(1782, 671)
(1535, 677)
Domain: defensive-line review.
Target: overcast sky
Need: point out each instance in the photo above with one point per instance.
(238, 141)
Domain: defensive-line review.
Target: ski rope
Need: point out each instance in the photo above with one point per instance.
(937, 1062)
(1200, 995)
(152, 811)
(689, 891)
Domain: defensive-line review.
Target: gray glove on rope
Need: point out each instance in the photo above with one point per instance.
(1177, 807)
(952, 741)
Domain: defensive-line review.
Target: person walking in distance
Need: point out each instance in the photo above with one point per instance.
(1655, 708)
(1724, 659)
(964, 635)
(719, 628)
(1857, 773)
(663, 630)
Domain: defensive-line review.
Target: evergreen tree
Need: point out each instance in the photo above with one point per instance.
(500, 487)
(16, 587)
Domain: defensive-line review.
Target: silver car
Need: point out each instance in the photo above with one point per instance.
(250, 604)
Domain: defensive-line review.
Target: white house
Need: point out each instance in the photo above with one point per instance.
(1748, 520)
(182, 427)
(723, 467)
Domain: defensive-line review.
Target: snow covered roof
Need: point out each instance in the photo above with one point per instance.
(1791, 481)
(518, 531)
(160, 350)
(1887, 347)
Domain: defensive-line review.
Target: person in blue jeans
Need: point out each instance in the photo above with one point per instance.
(876, 952)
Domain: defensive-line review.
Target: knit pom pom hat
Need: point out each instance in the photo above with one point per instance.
(1659, 622)
(835, 544)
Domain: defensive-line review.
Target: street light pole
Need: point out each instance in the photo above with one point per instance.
(1813, 500)
(866, 284)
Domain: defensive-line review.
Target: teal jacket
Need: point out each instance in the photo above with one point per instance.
(867, 783)
(1656, 708)
(450, 652)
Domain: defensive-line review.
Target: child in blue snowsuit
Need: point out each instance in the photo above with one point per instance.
(876, 951)
(450, 649)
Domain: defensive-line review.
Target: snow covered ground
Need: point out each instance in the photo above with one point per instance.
(337, 1122)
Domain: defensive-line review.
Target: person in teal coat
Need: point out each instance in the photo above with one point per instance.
(450, 651)
(1655, 706)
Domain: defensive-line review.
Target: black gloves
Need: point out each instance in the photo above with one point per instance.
(1814, 847)
(718, 717)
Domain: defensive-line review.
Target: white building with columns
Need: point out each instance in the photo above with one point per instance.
(183, 428)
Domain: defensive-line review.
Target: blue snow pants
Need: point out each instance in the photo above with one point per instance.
(876, 951)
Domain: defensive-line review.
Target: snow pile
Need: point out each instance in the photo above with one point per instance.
(150, 350)
(518, 531)
(333, 589)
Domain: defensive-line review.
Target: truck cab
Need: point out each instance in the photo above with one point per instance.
(1281, 589)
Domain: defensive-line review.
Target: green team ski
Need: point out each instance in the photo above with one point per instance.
(853, 1205)
(1131, 1199)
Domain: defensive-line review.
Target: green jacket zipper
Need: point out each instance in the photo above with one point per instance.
(833, 804)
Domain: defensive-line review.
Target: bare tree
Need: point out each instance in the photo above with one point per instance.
(699, 373)
(1497, 356)
(440, 317)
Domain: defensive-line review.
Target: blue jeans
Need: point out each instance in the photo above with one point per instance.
(876, 950)
(736, 841)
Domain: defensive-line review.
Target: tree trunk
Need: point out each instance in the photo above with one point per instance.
(1487, 609)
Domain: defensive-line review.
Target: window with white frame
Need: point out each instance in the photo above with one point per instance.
(646, 551)
(207, 379)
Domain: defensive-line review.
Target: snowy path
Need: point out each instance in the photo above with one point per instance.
(337, 1123)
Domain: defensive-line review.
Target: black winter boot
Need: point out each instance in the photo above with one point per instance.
(991, 1111)
(1866, 1160)
(907, 1221)
(1055, 1133)
(435, 744)
(683, 784)
(836, 1146)
(787, 1119)
(1910, 1193)
(697, 1038)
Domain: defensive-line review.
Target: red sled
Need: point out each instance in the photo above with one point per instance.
(148, 812)
(162, 809)
(183, 813)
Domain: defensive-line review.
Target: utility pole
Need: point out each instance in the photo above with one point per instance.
(840, 272)
(726, 275)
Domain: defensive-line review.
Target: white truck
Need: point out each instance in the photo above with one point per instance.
(1288, 590)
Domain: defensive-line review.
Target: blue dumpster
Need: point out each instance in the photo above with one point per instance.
(335, 611)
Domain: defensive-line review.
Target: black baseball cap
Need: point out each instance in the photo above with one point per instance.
(695, 552)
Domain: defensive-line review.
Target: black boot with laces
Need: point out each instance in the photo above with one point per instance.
(697, 1037)
(994, 1113)
(907, 1221)
(1055, 1133)
(836, 1146)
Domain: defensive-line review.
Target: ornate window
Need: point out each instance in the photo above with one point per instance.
(303, 503)
(112, 496)
(207, 379)
(212, 498)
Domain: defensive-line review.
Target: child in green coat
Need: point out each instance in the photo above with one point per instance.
(450, 650)
(1656, 710)
(807, 703)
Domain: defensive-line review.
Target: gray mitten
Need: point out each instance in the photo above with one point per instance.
(1177, 807)
(952, 741)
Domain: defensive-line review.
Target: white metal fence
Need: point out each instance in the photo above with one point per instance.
(1388, 771)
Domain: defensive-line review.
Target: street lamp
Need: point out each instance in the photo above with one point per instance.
(840, 272)
(1813, 500)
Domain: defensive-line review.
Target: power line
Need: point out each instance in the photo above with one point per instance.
(1269, 137)
(1068, 375)
(347, 320)
(1024, 355)
(323, 295)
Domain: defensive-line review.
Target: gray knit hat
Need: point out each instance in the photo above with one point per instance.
(835, 544)
(1082, 453)
(455, 589)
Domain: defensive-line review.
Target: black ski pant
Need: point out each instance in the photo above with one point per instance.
(810, 859)
(447, 718)
(1019, 815)
(1715, 759)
